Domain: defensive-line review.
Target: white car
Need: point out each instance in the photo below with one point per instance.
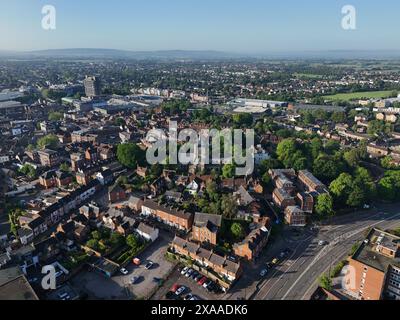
(322, 243)
(124, 271)
(180, 290)
(184, 270)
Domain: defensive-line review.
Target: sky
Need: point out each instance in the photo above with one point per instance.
(242, 26)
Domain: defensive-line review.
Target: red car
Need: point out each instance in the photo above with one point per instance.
(202, 281)
(175, 287)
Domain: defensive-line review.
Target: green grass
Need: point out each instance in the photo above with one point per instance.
(359, 95)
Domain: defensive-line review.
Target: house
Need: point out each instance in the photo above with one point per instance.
(74, 230)
(116, 193)
(251, 247)
(173, 195)
(305, 201)
(48, 158)
(135, 203)
(25, 235)
(216, 267)
(175, 218)
(377, 151)
(206, 227)
(194, 186)
(147, 232)
(295, 217)
(282, 198)
(106, 177)
(243, 197)
(311, 183)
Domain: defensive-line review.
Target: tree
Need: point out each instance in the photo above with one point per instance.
(327, 167)
(132, 241)
(229, 206)
(55, 116)
(324, 205)
(325, 282)
(93, 244)
(129, 154)
(388, 163)
(237, 230)
(96, 235)
(243, 119)
(332, 146)
(28, 170)
(357, 197)
(49, 141)
(389, 186)
(120, 122)
(353, 157)
(65, 167)
(316, 147)
(13, 217)
(364, 180)
(228, 171)
(341, 186)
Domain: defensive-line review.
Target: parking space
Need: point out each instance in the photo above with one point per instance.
(120, 286)
(177, 279)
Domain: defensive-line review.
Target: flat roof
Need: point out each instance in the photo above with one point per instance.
(17, 289)
(367, 253)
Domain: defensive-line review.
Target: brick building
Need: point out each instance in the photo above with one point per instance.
(206, 227)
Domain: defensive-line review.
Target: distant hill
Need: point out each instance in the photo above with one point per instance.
(112, 53)
(88, 53)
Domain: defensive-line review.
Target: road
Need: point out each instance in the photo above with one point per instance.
(297, 277)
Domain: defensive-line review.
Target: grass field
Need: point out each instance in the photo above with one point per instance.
(359, 95)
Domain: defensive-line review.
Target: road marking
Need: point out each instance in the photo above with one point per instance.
(354, 234)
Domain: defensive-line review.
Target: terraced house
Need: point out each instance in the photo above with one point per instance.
(178, 219)
(217, 267)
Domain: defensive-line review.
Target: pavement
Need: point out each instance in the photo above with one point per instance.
(296, 277)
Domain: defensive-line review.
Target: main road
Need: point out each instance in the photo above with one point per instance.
(296, 277)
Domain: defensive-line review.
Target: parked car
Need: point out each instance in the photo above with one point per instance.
(275, 261)
(136, 261)
(175, 287)
(202, 281)
(188, 297)
(184, 270)
(322, 243)
(124, 271)
(194, 275)
(149, 265)
(180, 290)
(263, 272)
(134, 279)
(198, 277)
(206, 284)
(269, 265)
(189, 273)
(194, 297)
